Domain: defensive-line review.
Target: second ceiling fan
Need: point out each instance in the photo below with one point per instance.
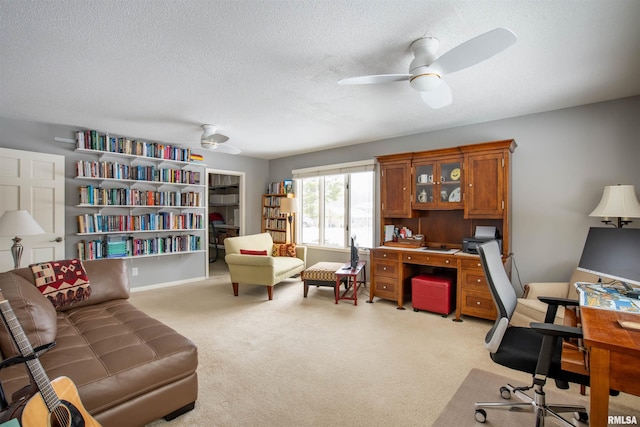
(426, 72)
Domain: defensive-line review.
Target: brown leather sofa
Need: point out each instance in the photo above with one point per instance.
(129, 368)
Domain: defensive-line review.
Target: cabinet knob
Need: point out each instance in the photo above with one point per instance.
(479, 265)
(384, 255)
(478, 302)
(470, 185)
(384, 287)
(478, 280)
(384, 268)
(408, 257)
(446, 261)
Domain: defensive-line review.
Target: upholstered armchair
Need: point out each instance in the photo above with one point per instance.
(530, 309)
(256, 260)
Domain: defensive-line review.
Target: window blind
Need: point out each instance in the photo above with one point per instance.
(336, 169)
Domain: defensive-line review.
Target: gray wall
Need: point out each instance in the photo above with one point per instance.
(31, 136)
(563, 161)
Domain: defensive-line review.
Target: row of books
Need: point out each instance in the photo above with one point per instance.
(130, 247)
(278, 236)
(90, 195)
(281, 187)
(278, 224)
(161, 221)
(272, 212)
(114, 170)
(272, 201)
(92, 140)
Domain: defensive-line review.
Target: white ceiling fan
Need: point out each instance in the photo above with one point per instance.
(213, 141)
(426, 72)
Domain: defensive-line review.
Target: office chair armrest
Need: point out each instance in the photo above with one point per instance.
(557, 330)
(552, 306)
(559, 301)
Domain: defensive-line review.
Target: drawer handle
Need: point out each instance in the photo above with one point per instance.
(384, 287)
(408, 257)
(479, 280)
(385, 255)
(384, 268)
(479, 265)
(478, 302)
(446, 261)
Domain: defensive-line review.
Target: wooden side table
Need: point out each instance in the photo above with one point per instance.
(351, 275)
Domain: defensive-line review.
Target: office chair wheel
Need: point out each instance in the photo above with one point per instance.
(581, 416)
(481, 416)
(505, 393)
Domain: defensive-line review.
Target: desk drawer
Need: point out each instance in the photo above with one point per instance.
(381, 254)
(435, 260)
(385, 269)
(471, 264)
(475, 281)
(386, 288)
(478, 305)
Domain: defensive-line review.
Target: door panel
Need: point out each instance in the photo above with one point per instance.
(33, 182)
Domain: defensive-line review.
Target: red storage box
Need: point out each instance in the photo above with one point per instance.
(433, 293)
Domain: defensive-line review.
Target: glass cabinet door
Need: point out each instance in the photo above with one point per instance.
(450, 179)
(425, 184)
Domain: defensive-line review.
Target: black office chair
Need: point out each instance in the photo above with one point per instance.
(536, 350)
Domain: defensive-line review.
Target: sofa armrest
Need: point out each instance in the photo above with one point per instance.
(546, 289)
(249, 260)
(301, 252)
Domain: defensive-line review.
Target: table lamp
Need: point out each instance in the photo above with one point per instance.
(14, 223)
(288, 206)
(618, 201)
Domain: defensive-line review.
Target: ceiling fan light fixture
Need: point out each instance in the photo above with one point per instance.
(425, 81)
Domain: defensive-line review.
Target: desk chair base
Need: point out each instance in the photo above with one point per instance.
(536, 404)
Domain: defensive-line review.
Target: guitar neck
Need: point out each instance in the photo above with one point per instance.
(26, 350)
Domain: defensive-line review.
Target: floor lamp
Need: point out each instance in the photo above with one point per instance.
(618, 201)
(288, 206)
(14, 223)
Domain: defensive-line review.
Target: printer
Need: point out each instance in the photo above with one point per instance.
(482, 234)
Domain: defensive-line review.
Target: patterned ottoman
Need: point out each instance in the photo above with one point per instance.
(321, 274)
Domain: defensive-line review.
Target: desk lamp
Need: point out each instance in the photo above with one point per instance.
(618, 201)
(14, 223)
(288, 206)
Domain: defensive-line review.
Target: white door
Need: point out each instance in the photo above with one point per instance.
(33, 182)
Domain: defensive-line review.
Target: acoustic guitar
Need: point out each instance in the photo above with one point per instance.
(57, 404)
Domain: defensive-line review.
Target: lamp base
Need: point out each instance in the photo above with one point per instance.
(16, 251)
(620, 223)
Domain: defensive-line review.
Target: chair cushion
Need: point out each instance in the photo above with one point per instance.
(520, 348)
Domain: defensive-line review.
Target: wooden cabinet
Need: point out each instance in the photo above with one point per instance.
(274, 222)
(444, 195)
(395, 186)
(473, 295)
(437, 183)
(390, 278)
(487, 176)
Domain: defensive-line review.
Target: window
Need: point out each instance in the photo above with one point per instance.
(336, 202)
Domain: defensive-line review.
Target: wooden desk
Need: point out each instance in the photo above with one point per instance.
(612, 359)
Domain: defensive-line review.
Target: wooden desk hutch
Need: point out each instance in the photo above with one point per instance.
(442, 194)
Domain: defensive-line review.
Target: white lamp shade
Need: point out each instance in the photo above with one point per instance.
(19, 223)
(288, 205)
(618, 201)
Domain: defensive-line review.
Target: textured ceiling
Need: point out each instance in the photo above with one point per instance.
(265, 72)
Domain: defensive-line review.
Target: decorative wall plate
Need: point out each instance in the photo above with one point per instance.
(455, 174)
(455, 195)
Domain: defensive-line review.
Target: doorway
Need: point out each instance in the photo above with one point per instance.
(225, 214)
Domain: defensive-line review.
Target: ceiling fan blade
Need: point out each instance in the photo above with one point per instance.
(476, 50)
(220, 148)
(216, 138)
(379, 78)
(438, 97)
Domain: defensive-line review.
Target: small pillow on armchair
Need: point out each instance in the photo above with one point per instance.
(252, 252)
(284, 249)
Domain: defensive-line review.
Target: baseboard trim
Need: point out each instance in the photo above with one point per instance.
(166, 284)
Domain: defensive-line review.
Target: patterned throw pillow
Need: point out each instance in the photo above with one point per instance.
(284, 249)
(62, 282)
(252, 252)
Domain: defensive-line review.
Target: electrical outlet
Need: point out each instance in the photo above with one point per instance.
(134, 271)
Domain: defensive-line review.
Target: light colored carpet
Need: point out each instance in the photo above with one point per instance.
(484, 386)
(297, 361)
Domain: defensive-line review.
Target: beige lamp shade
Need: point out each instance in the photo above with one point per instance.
(288, 205)
(618, 201)
(19, 223)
